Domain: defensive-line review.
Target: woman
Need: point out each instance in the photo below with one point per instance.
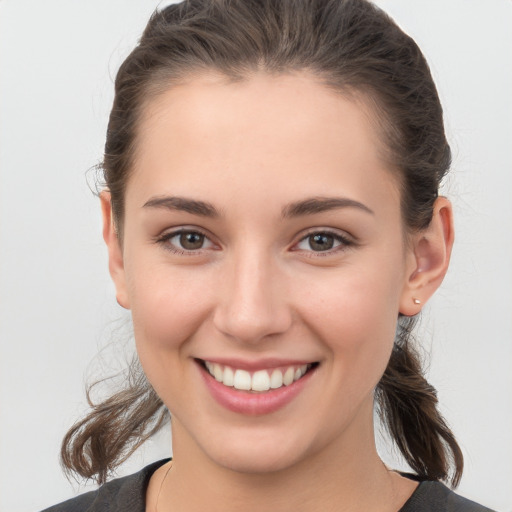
(273, 223)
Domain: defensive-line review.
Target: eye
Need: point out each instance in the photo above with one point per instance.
(185, 241)
(323, 241)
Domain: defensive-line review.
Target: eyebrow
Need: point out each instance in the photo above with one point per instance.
(321, 204)
(296, 209)
(183, 204)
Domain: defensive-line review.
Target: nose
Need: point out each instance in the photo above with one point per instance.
(253, 303)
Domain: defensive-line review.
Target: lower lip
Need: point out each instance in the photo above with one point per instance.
(253, 404)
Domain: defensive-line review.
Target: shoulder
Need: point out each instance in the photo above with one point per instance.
(436, 497)
(126, 494)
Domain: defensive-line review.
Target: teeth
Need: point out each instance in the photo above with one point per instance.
(242, 380)
(276, 379)
(229, 377)
(218, 373)
(262, 380)
(299, 372)
(288, 376)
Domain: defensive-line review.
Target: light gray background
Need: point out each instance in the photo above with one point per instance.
(57, 306)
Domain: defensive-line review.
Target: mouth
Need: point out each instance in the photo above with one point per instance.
(260, 381)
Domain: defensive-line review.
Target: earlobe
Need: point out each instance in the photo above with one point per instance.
(431, 256)
(115, 252)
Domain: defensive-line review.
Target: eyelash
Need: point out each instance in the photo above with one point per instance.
(165, 240)
(344, 242)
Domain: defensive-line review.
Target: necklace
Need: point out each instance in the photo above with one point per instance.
(161, 485)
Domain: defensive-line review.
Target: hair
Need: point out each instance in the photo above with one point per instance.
(351, 46)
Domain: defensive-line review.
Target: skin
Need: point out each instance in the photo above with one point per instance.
(258, 289)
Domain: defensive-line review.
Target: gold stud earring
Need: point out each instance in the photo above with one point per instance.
(416, 301)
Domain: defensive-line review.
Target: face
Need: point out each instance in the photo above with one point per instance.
(263, 244)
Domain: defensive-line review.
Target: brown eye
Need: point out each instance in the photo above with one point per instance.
(191, 240)
(321, 241)
(184, 242)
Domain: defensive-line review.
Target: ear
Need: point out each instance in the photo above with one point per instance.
(115, 251)
(429, 259)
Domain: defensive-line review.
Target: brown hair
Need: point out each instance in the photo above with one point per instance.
(351, 46)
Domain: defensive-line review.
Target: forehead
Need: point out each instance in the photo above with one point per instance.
(270, 133)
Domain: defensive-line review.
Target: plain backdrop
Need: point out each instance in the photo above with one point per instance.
(57, 306)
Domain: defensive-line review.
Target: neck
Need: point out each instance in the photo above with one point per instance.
(346, 475)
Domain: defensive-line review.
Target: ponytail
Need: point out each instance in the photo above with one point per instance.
(408, 408)
(94, 446)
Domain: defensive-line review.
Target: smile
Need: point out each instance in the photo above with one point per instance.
(251, 388)
(258, 381)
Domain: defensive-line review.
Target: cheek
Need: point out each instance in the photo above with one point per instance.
(168, 307)
(354, 314)
(360, 300)
(168, 310)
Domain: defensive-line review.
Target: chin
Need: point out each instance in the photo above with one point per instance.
(256, 463)
(268, 454)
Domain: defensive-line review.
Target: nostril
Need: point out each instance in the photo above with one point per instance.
(250, 324)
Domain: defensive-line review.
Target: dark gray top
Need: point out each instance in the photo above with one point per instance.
(128, 494)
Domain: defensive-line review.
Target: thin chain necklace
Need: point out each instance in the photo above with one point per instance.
(161, 486)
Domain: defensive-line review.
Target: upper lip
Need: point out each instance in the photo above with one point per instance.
(257, 364)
